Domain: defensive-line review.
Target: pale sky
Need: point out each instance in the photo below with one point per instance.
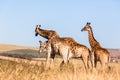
(18, 19)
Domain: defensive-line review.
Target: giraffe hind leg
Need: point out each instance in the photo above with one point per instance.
(85, 61)
(92, 60)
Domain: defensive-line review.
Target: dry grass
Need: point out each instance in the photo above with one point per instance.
(73, 71)
(19, 60)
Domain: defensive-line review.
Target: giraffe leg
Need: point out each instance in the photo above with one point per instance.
(92, 60)
(48, 53)
(85, 61)
(102, 61)
(108, 61)
(65, 55)
(65, 59)
(47, 61)
(64, 62)
(52, 59)
(95, 61)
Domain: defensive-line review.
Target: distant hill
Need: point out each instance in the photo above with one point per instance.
(10, 47)
(114, 52)
(20, 51)
(115, 55)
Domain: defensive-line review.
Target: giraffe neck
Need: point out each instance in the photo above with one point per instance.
(48, 34)
(93, 42)
(43, 33)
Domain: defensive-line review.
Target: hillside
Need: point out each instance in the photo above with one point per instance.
(19, 51)
(10, 47)
(114, 52)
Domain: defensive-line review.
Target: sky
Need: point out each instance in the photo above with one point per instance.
(18, 19)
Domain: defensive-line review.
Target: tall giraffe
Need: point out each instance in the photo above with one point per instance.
(66, 47)
(97, 52)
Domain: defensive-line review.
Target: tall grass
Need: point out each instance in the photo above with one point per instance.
(73, 71)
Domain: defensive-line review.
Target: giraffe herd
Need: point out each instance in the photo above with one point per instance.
(67, 48)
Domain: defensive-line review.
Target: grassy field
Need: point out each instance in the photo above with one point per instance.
(10, 70)
(73, 71)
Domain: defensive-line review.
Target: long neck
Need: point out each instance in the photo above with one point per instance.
(48, 34)
(43, 33)
(93, 42)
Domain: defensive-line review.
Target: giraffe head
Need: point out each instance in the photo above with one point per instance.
(86, 27)
(36, 29)
(42, 47)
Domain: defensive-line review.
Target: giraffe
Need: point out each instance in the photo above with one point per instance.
(43, 46)
(66, 47)
(97, 52)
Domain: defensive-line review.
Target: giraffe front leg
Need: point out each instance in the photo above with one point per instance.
(47, 61)
(65, 60)
(85, 61)
(102, 61)
(52, 59)
(48, 53)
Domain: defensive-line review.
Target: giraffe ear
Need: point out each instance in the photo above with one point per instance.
(88, 23)
(39, 25)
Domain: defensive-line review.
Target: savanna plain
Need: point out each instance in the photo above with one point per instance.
(74, 70)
